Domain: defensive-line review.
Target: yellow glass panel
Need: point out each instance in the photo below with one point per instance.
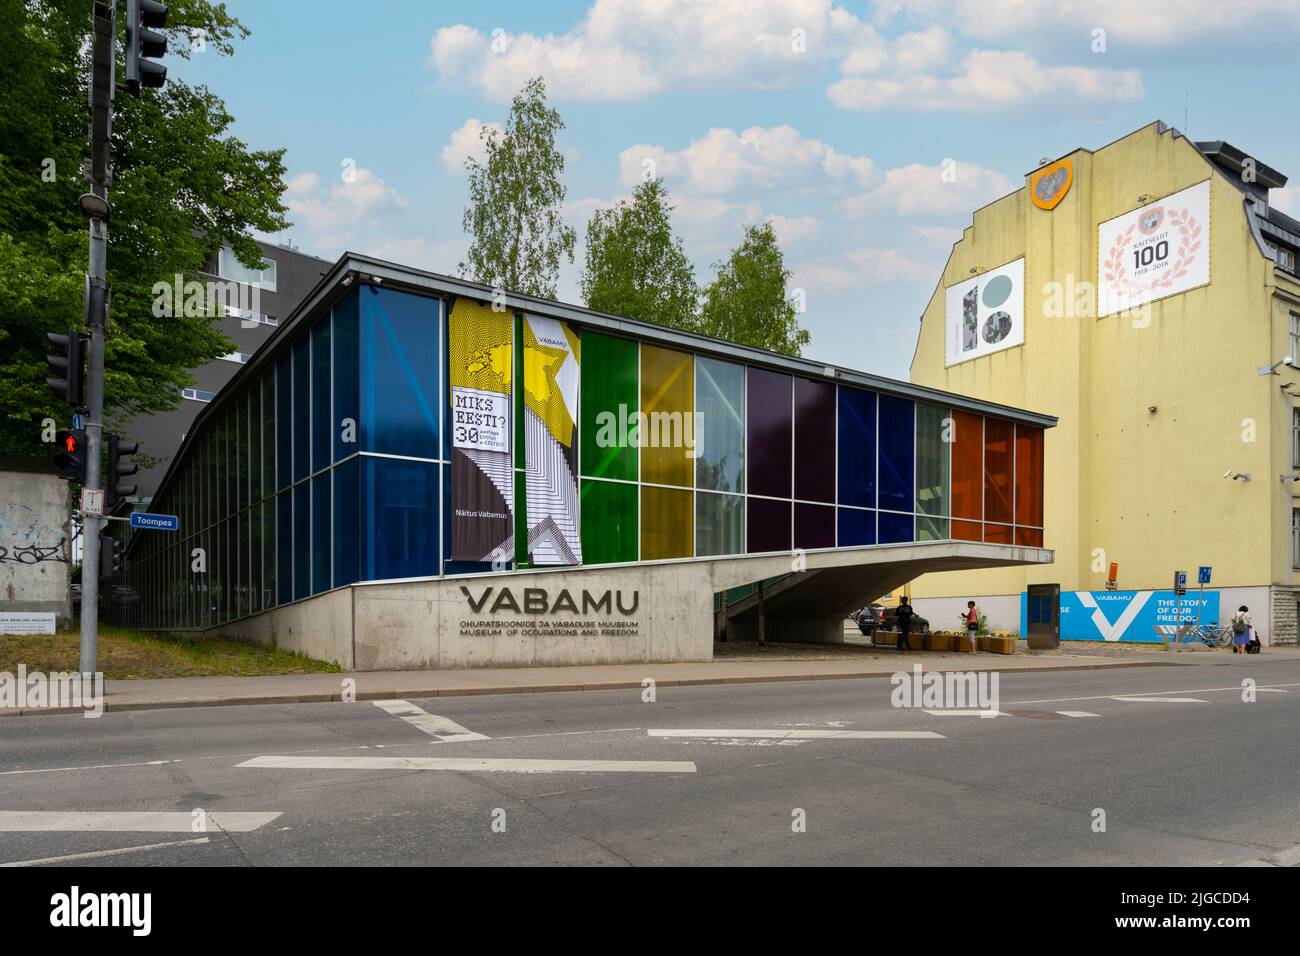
(668, 428)
(667, 524)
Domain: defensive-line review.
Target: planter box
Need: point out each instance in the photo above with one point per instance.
(937, 642)
(982, 642)
(962, 644)
(885, 639)
(1002, 645)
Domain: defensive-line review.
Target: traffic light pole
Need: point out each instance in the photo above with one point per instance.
(96, 318)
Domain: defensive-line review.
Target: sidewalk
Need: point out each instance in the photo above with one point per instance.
(124, 695)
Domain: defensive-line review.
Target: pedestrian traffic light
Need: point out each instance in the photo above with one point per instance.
(68, 362)
(71, 454)
(143, 43)
(117, 468)
(110, 556)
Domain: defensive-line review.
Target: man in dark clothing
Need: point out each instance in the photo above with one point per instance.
(904, 618)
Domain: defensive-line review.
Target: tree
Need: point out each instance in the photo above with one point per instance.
(518, 237)
(746, 302)
(182, 187)
(635, 266)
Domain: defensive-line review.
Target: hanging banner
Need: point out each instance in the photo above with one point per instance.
(1159, 250)
(1129, 616)
(479, 343)
(986, 314)
(551, 363)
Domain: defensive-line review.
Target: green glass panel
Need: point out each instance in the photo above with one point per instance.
(931, 461)
(931, 529)
(608, 400)
(609, 529)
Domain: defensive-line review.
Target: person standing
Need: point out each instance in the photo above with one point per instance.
(972, 619)
(1240, 630)
(904, 618)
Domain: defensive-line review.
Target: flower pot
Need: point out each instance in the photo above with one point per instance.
(1002, 645)
(885, 639)
(937, 642)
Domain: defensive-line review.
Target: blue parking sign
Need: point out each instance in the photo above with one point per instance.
(1205, 575)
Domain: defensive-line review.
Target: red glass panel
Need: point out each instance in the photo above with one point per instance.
(997, 469)
(1029, 537)
(1029, 475)
(967, 469)
(997, 533)
(967, 531)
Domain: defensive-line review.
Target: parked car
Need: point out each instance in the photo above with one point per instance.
(877, 617)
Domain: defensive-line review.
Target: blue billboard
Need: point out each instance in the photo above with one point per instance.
(1126, 615)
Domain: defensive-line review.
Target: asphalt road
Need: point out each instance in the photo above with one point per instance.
(1187, 774)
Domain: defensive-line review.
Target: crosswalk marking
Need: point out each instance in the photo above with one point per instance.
(471, 764)
(965, 713)
(1076, 713)
(128, 821)
(1159, 700)
(443, 728)
(804, 734)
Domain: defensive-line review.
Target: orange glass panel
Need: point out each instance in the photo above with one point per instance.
(668, 401)
(997, 533)
(667, 524)
(967, 469)
(998, 436)
(1029, 475)
(967, 531)
(1029, 537)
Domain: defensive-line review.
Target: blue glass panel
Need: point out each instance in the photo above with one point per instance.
(895, 528)
(347, 541)
(401, 343)
(897, 456)
(399, 518)
(320, 395)
(283, 421)
(347, 374)
(301, 409)
(856, 527)
(321, 551)
(284, 548)
(857, 451)
(301, 540)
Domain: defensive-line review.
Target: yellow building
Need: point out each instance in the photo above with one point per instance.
(1158, 288)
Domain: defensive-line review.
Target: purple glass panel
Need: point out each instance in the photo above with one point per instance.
(768, 525)
(769, 434)
(814, 441)
(814, 526)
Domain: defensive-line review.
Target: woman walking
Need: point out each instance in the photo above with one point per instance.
(1240, 630)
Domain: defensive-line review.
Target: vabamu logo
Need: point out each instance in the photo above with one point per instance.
(951, 690)
(61, 689)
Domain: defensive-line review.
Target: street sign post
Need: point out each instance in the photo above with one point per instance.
(92, 502)
(150, 522)
(1203, 578)
(1180, 588)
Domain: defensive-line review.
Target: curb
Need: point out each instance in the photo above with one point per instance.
(316, 697)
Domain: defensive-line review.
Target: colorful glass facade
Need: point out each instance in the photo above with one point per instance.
(330, 462)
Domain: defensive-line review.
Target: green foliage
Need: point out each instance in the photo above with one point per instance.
(746, 302)
(182, 188)
(635, 266)
(518, 237)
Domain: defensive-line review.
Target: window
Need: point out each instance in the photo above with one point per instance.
(228, 267)
(1295, 438)
(237, 357)
(1295, 337)
(1295, 537)
(248, 318)
(1283, 256)
(197, 395)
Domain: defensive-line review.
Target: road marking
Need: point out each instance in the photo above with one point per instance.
(805, 734)
(471, 764)
(1272, 688)
(1161, 700)
(1076, 713)
(124, 821)
(966, 713)
(443, 728)
(102, 853)
(101, 766)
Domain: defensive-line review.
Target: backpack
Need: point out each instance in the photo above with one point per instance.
(1238, 625)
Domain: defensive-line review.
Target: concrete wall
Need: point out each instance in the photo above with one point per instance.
(35, 553)
(319, 627)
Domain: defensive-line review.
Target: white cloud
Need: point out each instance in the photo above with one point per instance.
(467, 142)
(890, 265)
(1286, 199)
(355, 195)
(725, 161)
(793, 230)
(985, 79)
(625, 49)
(949, 188)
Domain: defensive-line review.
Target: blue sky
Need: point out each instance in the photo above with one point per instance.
(836, 121)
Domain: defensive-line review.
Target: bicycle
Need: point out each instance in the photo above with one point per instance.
(1211, 635)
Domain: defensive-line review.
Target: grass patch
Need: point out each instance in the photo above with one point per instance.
(124, 654)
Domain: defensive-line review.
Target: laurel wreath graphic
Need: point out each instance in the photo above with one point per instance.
(1115, 268)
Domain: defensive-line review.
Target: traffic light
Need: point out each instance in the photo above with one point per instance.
(110, 556)
(68, 362)
(143, 43)
(117, 468)
(71, 454)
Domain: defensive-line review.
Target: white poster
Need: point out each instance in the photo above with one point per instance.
(480, 419)
(986, 314)
(26, 622)
(1156, 251)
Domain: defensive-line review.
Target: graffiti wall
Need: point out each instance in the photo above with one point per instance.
(35, 553)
